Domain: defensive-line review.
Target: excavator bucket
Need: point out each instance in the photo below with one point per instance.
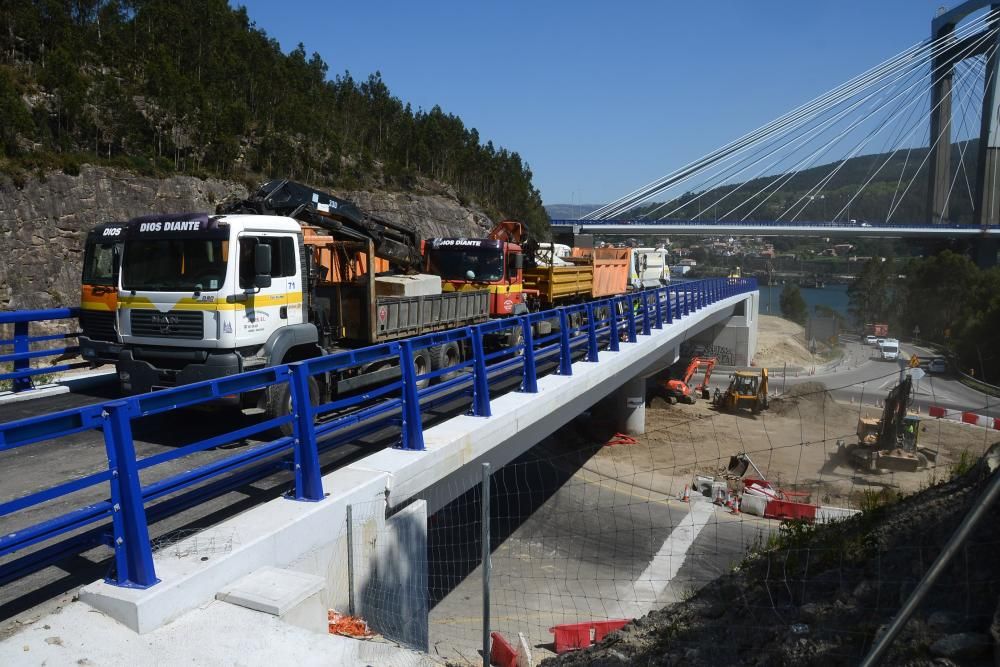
(740, 463)
(738, 466)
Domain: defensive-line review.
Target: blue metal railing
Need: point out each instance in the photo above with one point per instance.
(21, 376)
(121, 521)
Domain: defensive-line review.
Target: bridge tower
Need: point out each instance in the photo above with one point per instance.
(946, 56)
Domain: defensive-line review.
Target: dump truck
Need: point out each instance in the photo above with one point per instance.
(99, 341)
(289, 274)
(746, 390)
(524, 276)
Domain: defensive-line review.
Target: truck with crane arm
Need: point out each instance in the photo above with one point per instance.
(289, 274)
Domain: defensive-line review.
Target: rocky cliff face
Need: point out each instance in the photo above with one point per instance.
(44, 224)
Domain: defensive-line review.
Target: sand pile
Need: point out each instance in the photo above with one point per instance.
(780, 341)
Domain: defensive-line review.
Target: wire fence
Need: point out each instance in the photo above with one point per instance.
(591, 530)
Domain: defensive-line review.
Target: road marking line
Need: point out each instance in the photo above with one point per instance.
(668, 560)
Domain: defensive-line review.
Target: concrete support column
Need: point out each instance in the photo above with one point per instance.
(987, 204)
(631, 406)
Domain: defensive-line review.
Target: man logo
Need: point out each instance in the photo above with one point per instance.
(166, 323)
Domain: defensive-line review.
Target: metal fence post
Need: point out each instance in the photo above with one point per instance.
(658, 322)
(22, 345)
(485, 520)
(645, 313)
(613, 343)
(591, 334)
(630, 317)
(529, 383)
(350, 561)
(982, 506)
(412, 427)
(308, 480)
(670, 305)
(687, 301)
(133, 553)
(480, 383)
(565, 359)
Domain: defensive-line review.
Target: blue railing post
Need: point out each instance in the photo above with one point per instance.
(412, 426)
(480, 382)
(529, 383)
(630, 317)
(670, 304)
(645, 312)
(687, 300)
(133, 554)
(565, 360)
(308, 480)
(658, 322)
(591, 334)
(22, 345)
(615, 339)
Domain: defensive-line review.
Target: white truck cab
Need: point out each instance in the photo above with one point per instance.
(202, 296)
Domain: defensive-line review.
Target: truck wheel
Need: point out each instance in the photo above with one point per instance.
(445, 356)
(421, 365)
(278, 403)
(515, 337)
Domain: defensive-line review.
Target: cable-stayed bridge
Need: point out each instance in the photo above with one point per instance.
(910, 148)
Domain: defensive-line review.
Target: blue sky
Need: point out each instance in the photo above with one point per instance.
(602, 97)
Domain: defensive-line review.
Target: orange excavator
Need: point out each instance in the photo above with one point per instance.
(681, 390)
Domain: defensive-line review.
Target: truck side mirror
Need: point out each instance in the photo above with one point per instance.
(518, 261)
(262, 265)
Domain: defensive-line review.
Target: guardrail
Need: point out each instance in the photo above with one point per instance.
(21, 376)
(122, 520)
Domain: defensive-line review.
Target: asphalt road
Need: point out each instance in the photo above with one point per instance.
(863, 377)
(572, 545)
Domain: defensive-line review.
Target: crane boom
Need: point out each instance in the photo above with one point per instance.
(395, 242)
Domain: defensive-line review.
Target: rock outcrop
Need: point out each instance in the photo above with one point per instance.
(43, 224)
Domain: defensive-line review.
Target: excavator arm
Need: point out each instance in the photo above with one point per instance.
(397, 243)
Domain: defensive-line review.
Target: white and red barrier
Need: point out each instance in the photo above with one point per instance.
(763, 499)
(965, 417)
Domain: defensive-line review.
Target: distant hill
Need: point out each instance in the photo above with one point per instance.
(886, 182)
(570, 211)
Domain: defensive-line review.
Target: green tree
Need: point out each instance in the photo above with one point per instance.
(793, 306)
(870, 294)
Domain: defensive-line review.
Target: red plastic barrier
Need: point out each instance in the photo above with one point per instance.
(571, 636)
(783, 509)
(996, 423)
(935, 411)
(970, 417)
(502, 654)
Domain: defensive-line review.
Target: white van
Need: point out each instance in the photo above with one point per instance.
(889, 349)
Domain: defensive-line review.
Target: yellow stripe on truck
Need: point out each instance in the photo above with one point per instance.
(216, 304)
(471, 287)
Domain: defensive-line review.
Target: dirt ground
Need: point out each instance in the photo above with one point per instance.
(782, 341)
(818, 596)
(794, 444)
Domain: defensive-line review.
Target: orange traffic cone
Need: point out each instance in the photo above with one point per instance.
(736, 505)
(686, 496)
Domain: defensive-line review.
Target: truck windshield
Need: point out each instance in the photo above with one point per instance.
(175, 265)
(100, 264)
(484, 265)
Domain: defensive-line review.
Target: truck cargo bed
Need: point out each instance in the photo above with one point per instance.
(401, 317)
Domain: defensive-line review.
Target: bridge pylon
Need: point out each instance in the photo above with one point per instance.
(947, 54)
